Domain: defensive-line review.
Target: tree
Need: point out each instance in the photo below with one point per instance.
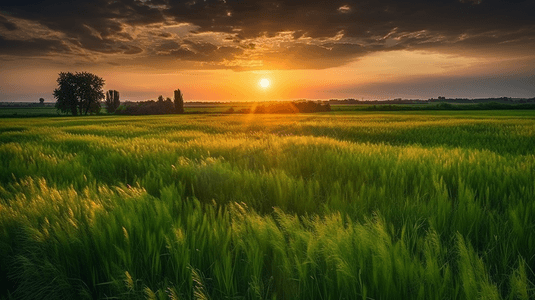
(65, 94)
(94, 107)
(41, 101)
(79, 93)
(112, 101)
(179, 102)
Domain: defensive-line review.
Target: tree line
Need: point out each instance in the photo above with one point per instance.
(449, 106)
(303, 106)
(81, 93)
(151, 107)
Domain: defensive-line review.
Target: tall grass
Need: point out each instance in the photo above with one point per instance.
(394, 206)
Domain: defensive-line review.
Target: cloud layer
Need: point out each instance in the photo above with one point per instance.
(254, 34)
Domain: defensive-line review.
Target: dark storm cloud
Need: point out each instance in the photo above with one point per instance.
(201, 52)
(131, 49)
(33, 47)
(8, 25)
(367, 26)
(360, 18)
(92, 25)
(302, 56)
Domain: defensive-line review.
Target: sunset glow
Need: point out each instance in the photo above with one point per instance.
(270, 149)
(264, 83)
(316, 50)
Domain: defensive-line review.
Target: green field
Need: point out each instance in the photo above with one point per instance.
(18, 112)
(25, 111)
(346, 205)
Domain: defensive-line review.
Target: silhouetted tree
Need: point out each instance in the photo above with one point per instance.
(150, 107)
(94, 107)
(179, 102)
(65, 94)
(160, 99)
(41, 101)
(90, 92)
(79, 93)
(112, 101)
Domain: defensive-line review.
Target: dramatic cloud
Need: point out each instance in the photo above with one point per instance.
(258, 34)
(33, 47)
(7, 25)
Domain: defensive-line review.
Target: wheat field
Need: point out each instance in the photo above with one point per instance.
(348, 205)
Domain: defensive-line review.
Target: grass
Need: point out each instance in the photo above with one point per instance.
(24, 112)
(367, 205)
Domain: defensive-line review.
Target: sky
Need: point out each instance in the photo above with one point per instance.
(219, 50)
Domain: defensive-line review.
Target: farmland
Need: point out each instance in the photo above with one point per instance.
(343, 205)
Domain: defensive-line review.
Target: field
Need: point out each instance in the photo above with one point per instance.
(50, 111)
(17, 112)
(345, 205)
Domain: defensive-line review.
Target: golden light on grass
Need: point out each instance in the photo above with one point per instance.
(276, 158)
(264, 83)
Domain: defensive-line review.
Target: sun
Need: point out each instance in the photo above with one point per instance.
(264, 83)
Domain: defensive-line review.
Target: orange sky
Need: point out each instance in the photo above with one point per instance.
(219, 50)
(369, 77)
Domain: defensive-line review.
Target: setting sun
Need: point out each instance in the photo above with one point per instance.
(264, 83)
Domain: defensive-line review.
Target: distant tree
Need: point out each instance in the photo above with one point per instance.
(41, 101)
(179, 102)
(150, 107)
(79, 93)
(302, 106)
(160, 98)
(112, 101)
(167, 106)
